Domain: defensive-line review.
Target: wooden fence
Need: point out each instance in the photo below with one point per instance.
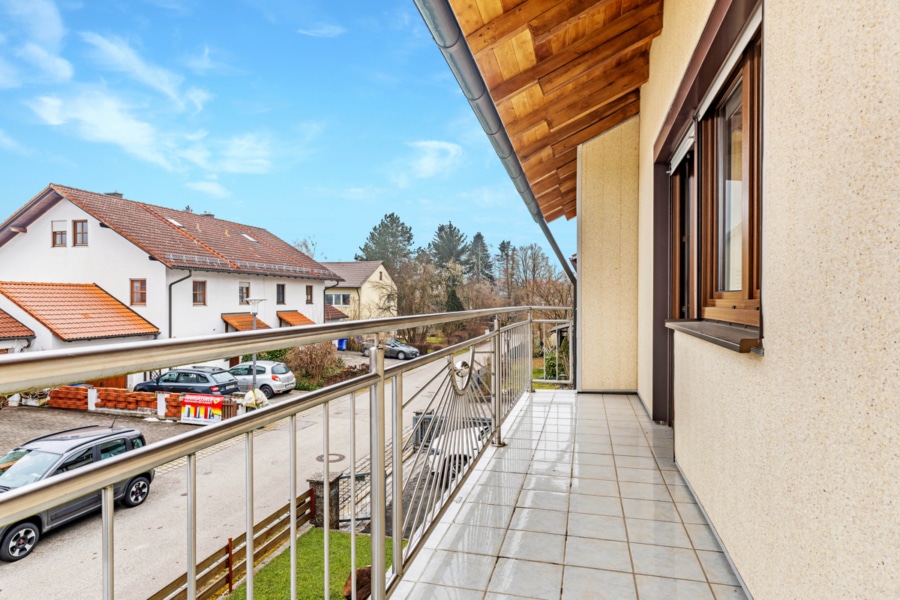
(223, 568)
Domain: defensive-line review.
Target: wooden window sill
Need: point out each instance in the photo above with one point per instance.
(737, 338)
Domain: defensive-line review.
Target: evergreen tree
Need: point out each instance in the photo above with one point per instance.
(448, 246)
(454, 304)
(390, 241)
(505, 263)
(479, 264)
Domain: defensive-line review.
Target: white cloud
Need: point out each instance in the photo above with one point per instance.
(116, 54)
(40, 20)
(99, 117)
(211, 188)
(7, 143)
(58, 68)
(246, 154)
(9, 78)
(323, 31)
(202, 63)
(434, 158)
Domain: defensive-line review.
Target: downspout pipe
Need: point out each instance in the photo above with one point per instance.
(190, 272)
(444, 28)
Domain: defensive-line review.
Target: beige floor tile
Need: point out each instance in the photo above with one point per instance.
(598, 554)
(702, 537)
(658, 533)
(531, 545)
(717, 568)
(595, 505)
(541, 581)
(650, 509)
(580, 583)
(535, 519)
(663, 588)
(472, 539)
(458, 569)
(644, 491)
(598, 527)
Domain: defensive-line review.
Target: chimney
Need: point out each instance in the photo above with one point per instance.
(114, 194)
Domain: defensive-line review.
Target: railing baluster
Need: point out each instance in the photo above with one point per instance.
(376, 490)
(248, 538)
(326, 521)
(292, 444)
(107, 499)
(353, 495)
(495, 384)
(397, 475)
(191, 526)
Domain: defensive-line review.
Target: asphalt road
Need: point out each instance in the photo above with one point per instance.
(150, 539)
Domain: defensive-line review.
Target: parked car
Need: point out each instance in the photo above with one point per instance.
(193, 380)
(57, 453)
(450, 452)
(393, 348)
(271, 377)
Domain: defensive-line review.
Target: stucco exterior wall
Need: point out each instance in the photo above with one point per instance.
(607, 259)
(794, 455)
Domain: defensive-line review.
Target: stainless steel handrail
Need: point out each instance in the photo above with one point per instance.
(28, 370)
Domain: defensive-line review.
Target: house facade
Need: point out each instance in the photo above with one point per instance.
(367, 292)
(733, 168)
(187, 274)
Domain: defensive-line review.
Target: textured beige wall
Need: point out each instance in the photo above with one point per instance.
(795, 455)
(607, 259)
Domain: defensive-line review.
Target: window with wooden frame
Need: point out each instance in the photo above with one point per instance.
(279, 293)
(244, 292)
(309, 294)
(60, 233)
(199, 293)
(730, 197)
(79, 233)
(138, 292)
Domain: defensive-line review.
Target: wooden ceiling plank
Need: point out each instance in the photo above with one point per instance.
(597, 128)
(568, 185)
(516, 84)
(601, 56)
(544, 185)
(567, 171)
(506, 25)
(467, 14)
(549, 137)
(565, 15)
(599, 90)
(542, 168)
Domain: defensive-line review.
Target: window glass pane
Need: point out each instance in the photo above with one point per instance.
(730, 226)
(113, 448)
(280, 369)
(345, 299)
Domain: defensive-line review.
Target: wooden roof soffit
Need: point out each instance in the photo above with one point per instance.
(560, 72)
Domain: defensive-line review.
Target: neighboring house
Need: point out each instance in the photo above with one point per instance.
(184, 274)
(14, 336)
(733, 166)
(333, 313)
(367, 292)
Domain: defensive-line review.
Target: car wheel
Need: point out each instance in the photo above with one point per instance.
(267, 391)
(136, 491)
(401, 355)
(19, 541)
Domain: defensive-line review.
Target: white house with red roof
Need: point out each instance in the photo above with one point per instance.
(163, 272)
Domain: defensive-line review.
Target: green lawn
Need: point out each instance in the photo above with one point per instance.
(273, 582)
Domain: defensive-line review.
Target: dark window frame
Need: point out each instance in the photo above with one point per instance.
(198, 291)
(309, 294)
(138, 294)
(280, 293)
(79, 233)
(243, 292)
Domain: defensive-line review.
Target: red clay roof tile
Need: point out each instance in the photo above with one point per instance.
(294, 318)
(332, 313)
(244, 321)
(11, 329)
(77, 311)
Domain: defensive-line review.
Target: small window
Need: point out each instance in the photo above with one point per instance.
(137, 442)
(244, 292)
(338, 299)
(309, 294)
(112, 448)
(170, 377)
(199, 293)
(279, 293)
(60, 234)
(380, 276)
(82, 459)
(138, 292)
(80, 233)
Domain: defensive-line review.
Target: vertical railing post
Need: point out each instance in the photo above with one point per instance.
(108, 500)
(397, 476)
(326, 471)
(191, 526)
(248, 537)
(292, 445)
(529, 351)
(496, 387)
(377, 485)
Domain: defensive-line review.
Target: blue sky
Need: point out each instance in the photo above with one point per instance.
(312, 119)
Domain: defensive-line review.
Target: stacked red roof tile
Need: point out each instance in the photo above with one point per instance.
(244, 321)
(10, 329)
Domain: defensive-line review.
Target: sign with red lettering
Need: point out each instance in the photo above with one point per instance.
(201, 409)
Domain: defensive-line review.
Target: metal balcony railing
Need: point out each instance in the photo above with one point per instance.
(417, 428)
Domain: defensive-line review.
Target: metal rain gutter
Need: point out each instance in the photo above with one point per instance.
(444, 28)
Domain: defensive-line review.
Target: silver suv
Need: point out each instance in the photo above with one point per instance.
(59, 453)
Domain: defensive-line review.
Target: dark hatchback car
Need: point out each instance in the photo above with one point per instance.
(193, 380)
(57, 453)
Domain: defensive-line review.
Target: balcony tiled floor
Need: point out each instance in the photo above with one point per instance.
(583, 502)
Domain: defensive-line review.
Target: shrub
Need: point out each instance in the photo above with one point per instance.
(276, 355)
(314, 362)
